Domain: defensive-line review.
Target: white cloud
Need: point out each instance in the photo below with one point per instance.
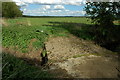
(17, 0)
(73, 2)
(51, 7)
(67, 10)
(74, 13)
(54, 12)
(45, 7)
(24, 9)
(59, 7)
(57, 2)
(21, 4)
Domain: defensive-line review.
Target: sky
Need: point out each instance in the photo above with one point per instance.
(52, 7)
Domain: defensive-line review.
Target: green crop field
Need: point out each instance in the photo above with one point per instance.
(20, 31)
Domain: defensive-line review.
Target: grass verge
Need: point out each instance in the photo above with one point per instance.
(13, 67)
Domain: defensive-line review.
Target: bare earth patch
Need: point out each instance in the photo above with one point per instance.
(3, 22)
(61, 51)
(72, 57)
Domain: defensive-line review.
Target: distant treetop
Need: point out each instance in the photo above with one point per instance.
(10, 10)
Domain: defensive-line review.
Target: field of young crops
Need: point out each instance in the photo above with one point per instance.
(19, 32)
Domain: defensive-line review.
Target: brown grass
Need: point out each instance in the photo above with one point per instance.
(116, 22)
(3, 22)
(26, 23)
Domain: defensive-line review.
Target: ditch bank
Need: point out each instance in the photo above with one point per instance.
(72, 57)
(81, 58)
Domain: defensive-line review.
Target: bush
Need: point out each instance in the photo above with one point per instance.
(10, 10)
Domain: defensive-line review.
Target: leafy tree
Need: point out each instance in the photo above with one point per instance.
(103, 13)
(10, 10)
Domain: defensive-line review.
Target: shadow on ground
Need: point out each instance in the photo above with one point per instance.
(19, 67)
(16, 67)
(77, 29)
(103, 38)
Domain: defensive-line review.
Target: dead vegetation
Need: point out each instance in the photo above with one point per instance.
(3, 22)
(21, 23)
